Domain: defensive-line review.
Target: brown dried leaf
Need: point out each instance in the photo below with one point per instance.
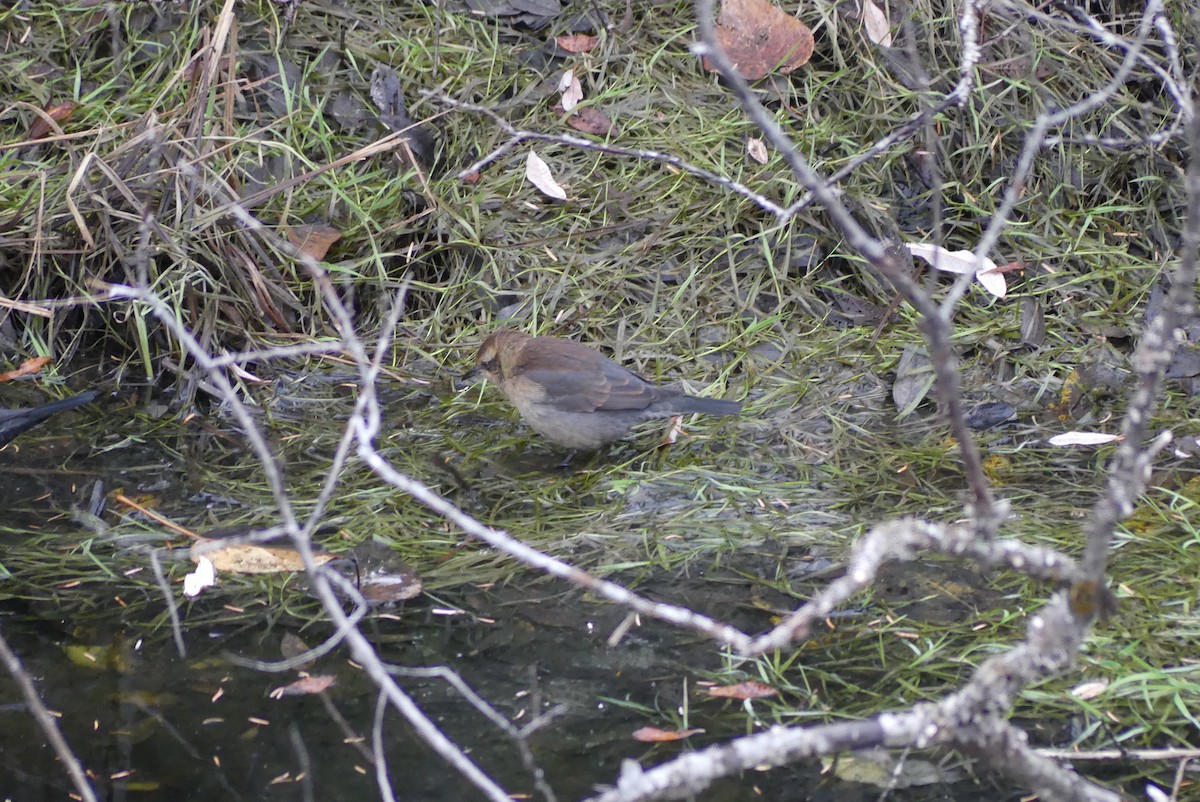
(59, 112)
(653, 735)
(577, 42)
(27, 367)
(305, 686)
(743, 690)
(760, 38)
(591, 121)
(314, 240)
(251, 558)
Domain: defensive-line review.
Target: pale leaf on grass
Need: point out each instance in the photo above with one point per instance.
(673, 432)
(879, 29)
(247, 376)
(1156, 794)
(757, 150)
(1089, 690)
(961, 262)
(572, 91)
(205, 576)
(538, 173)
(1083, 439)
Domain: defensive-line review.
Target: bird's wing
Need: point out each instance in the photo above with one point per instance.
(586, 381)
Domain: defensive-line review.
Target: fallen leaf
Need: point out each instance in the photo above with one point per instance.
(989, 415)
(743, 690)
(538, 173)
(591, 120)
(96, 656)
(27, 367)
(417, 143)
(292, 645)
(577, 42)
(540, 8)
(59, 112)
(314, 240)
(879, 28)
(914, 380)
(653, 735)
(388, 588)
(1082, 439)
(572, 91)
(203, 577)
(305, 686)
(1156, 794)
(249, 377)
(880, 768)
(760, 38)
(251, 558)
(673, 432)
(1033, 322)
(1089, 690)
(757, 150)
(990, 276)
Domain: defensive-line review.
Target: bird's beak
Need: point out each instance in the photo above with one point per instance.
(466, 381)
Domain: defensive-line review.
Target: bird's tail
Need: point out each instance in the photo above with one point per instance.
(707, 406)
(15, 421)
(46, 410)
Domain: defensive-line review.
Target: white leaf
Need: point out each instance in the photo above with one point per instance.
(993, 282)
(672, 434)
(1089, 690)
(961, 262)
(572, 91)
(203, 577)
(1082, 439)
(538, 173)
(879, 30)
(757, 150)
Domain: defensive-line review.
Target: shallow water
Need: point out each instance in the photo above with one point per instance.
(82, 610)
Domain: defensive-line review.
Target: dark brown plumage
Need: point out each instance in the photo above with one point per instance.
(15, 421)
(574, 395)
